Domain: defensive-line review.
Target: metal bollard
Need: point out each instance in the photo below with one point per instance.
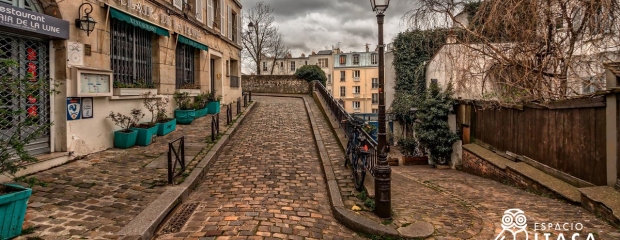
(250, 96)
(383, 195)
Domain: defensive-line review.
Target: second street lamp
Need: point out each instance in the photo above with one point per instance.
(382, 173)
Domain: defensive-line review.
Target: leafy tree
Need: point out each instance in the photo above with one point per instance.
(311, 73)
(433, 130)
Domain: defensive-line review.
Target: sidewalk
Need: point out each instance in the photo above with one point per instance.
(96, 196)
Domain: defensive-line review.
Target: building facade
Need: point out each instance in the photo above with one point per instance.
(323, 59)
(356, 81)
(166, 46)
(283, 66)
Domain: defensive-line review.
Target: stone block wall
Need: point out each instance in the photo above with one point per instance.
(473, 164)
(275, 84)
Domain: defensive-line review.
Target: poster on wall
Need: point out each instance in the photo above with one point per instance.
(87, 107)
(74, 108)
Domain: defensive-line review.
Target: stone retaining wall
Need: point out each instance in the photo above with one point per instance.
(473, 164)
(288, 84)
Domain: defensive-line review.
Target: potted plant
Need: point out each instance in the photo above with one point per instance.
(412, 152)
(126, 137)
(185, 112)
(136, 88)
(13, 154)
(200, 105)
(191, 89)
(146, 130)
(214, 103)
(166, 125)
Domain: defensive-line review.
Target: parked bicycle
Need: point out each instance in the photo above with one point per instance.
(357, 153)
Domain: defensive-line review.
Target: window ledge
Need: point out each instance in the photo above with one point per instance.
(113, 98)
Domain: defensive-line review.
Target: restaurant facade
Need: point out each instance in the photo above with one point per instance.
(103, 53)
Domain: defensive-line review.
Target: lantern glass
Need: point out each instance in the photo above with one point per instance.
(91, 24)
(379, 5)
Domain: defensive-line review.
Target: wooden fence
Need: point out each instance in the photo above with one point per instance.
(568, 136)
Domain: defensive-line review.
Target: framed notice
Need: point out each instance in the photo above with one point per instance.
(74, 108)
(90, 82)
(87, 107)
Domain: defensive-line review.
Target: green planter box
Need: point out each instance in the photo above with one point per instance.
(145, 135)
(125, 140)
(202, 112)
(13, 210)
(214, 107)
(184, 116)
(167, 127)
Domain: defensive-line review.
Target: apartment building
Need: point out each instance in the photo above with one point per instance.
(324, 60)
(283, 66)
(356, 81)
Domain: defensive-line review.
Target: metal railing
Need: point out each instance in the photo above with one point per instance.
(345, 121)
(215, 126)
(238, 105)
(229, 114)
(179, 157)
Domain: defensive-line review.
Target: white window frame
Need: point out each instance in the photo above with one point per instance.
(356, 103)
(375, 98)
(357, 89)
(210, 13)
(229, 16)
(356, 73)
(375, 83)
(178, 4)
(222, 19)
(343, 91)
(199, 11)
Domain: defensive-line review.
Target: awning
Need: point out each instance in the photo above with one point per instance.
(185, 40)
(138, 22)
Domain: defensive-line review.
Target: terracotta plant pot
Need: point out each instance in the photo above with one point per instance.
(408, 161)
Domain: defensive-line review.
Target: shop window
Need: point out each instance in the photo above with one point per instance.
(184, 66)
(131, 53)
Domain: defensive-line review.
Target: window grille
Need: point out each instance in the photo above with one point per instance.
(32, 57)
(131, 53)
(184, 65)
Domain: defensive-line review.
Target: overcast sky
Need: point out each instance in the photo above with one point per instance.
(314, 25)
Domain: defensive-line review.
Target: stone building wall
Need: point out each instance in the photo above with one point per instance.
(275, 84)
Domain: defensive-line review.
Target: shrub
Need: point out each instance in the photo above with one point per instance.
(311, 73)
(433, 130)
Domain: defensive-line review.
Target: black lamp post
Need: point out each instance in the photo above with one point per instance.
(85, 23)
(383, 198)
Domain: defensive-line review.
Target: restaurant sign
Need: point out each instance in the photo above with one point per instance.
(33, 22)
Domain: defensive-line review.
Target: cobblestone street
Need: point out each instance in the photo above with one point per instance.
(267, 183)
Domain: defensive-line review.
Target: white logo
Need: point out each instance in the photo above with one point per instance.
(514, 222)
(514, 227)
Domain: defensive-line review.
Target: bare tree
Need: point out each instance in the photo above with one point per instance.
(277, 51)
(263, 39)
(532, 50)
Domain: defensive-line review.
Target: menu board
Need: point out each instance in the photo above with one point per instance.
(94, 83)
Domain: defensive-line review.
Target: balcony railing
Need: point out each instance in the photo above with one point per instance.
(342, 79)
(345, 121)
(356, 94)
(356, 79)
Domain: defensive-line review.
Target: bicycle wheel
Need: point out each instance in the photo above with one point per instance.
(348, 153)
(359, 172)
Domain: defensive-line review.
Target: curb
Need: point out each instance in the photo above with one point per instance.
(346, 217)
(363, 224)
(146, 223)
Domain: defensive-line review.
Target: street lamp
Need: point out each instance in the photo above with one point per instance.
(85, 23)
(383, 205)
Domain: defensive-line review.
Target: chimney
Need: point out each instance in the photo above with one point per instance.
(367, 48)
(313, 53)
(303, 55)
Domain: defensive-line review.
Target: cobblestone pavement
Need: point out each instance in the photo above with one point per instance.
(460, 205)
(94, 197)
(464, 206)
(267, 183)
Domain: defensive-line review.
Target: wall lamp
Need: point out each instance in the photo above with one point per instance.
(85, 23)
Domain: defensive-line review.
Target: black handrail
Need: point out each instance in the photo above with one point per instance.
(346, 121)
(179, 157)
